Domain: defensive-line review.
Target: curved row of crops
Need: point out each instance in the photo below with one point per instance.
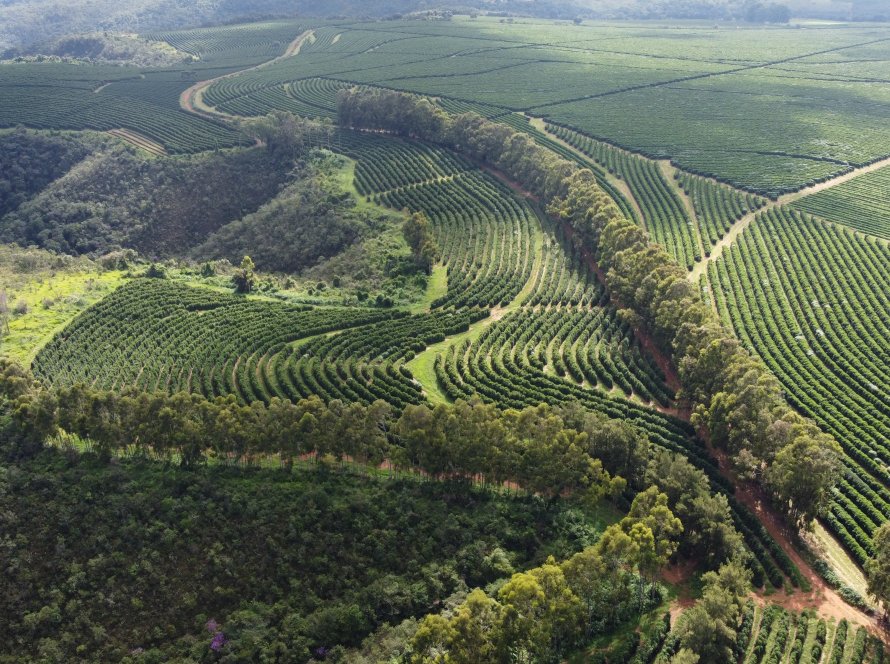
(484, 233)
(362, 365)
(153, 334)
(663, 212)
(481, 228)
(814, 301)
(522, 123)
(586, 346)
(386, 164)
(310, 98)
(717, 207)
(233, 44)
(563, 278)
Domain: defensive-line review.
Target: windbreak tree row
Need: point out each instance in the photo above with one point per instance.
(716, 372)
(663, 212)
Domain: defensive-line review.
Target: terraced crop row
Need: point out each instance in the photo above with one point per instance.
(311, 98)
(155, 335)
(522, 123)
(717, 207)
(484, 233)
(363, 365)
(813, 300)
(585, 346)
(563, 278)
(385, 164)
(317, 93)
(663, 211)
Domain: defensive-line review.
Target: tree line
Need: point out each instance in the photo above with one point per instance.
(547, 451)
(544, 613)
(736, 401)
(557, 453)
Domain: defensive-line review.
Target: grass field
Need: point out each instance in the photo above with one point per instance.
(43, 299)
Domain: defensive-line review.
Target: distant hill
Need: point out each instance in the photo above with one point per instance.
(24, 23)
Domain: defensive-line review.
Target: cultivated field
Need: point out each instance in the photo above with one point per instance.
(753, 155)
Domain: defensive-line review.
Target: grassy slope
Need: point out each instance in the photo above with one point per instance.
(53, 298)
(423, 365)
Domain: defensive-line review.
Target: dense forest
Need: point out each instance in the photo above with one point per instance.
(92, 508)
(282, 235)
(31, 162)
(291, 561)
(116, 198)
(251, 201)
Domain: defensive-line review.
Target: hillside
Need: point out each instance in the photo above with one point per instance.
(471, 339)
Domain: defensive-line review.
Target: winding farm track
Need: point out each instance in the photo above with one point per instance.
(717, 250)
(192, 99)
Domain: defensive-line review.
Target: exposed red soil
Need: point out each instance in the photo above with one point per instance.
(823, 599)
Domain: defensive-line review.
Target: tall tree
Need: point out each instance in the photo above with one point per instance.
(244, 278)
(710, 627)
(418, 234)
(877, 568)
(803, 474)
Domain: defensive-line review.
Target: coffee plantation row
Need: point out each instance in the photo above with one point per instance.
(717, 207)
(663, 212)
(812, 299)
(862, 203)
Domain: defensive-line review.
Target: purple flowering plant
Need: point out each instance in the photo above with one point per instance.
(219, 639)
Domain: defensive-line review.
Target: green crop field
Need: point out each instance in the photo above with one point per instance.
(146, 101)
(665, 216)
(524, 320)
(65, 96)
(751, 220)
(812, 300)
(767, 123)
(862, 203)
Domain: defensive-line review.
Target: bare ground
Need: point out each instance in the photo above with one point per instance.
(191, 100)
(822, 599)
